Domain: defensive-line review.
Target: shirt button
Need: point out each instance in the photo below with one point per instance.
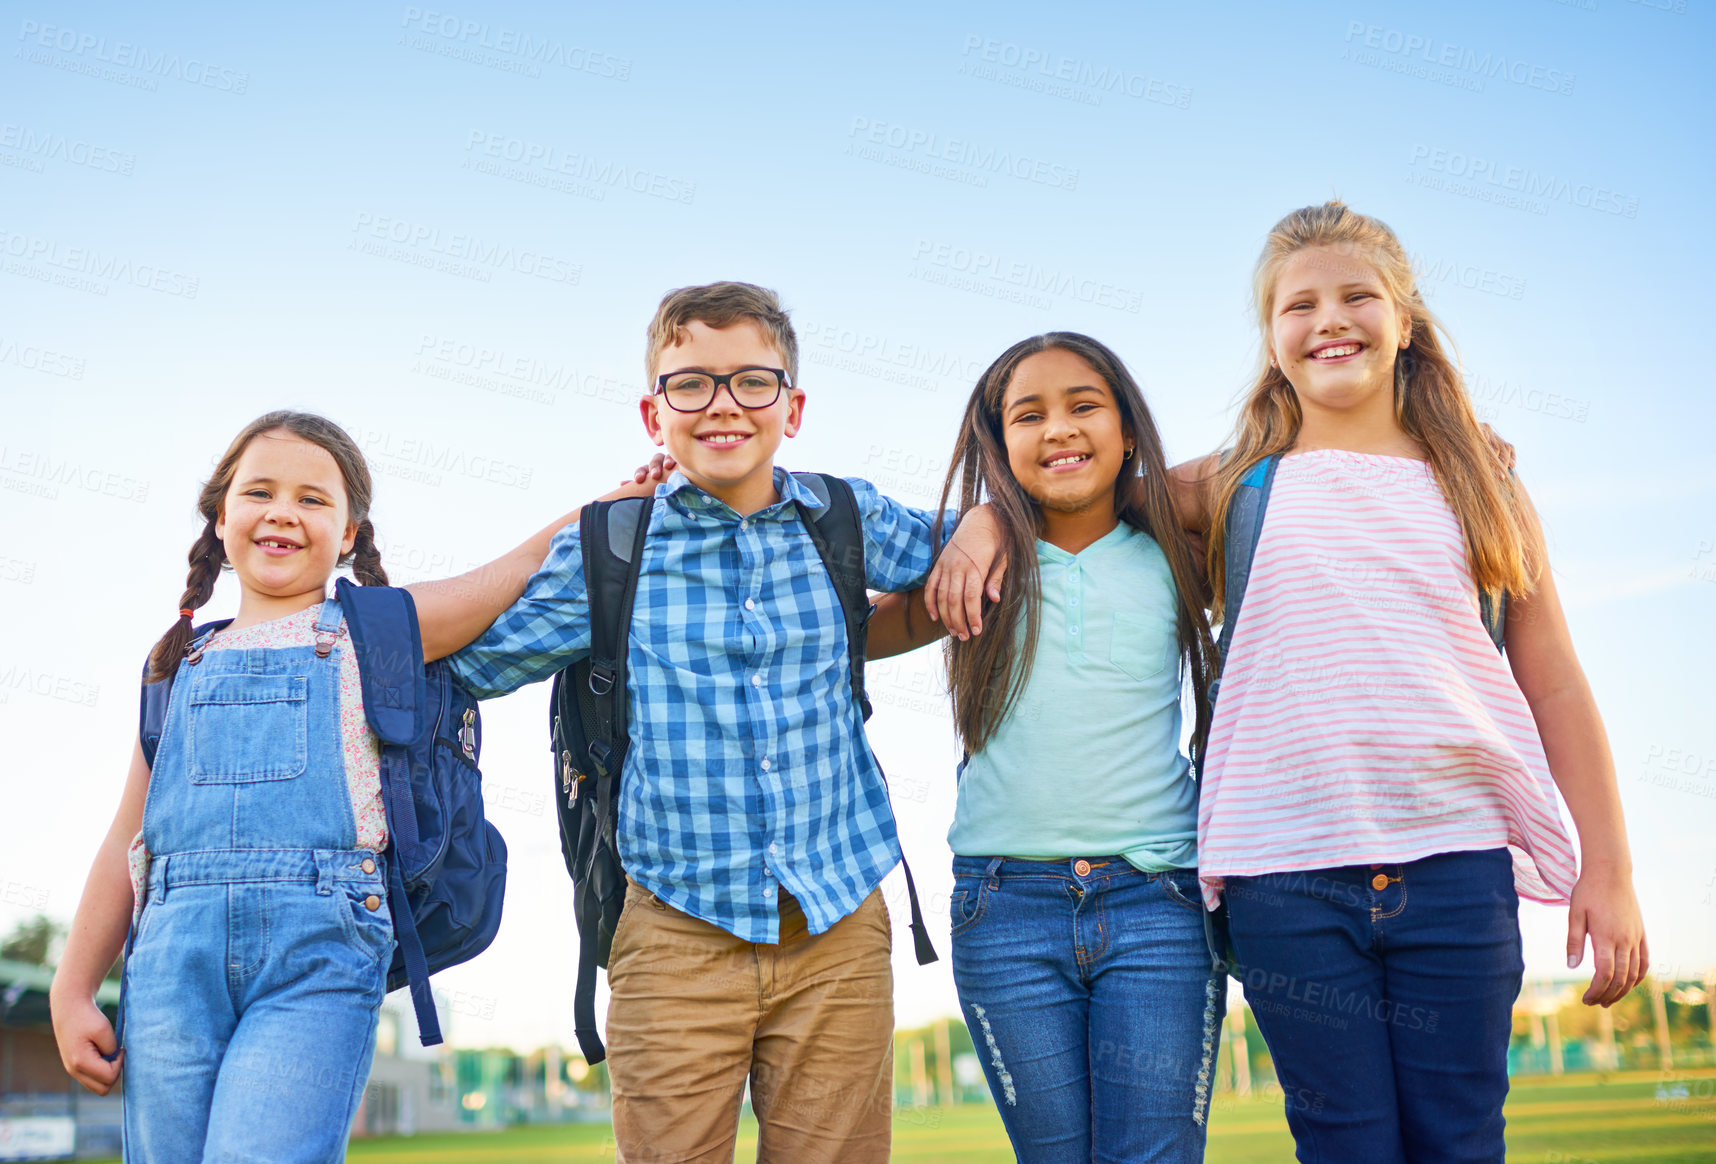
(1379, 882)
(745, 524)
(768, 891)
(757, 681)
(372, 903)
(773, 847)
(750, 604)
(765, 764)
(368, 865)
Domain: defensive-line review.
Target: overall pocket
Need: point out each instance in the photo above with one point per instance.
(370, 931)
(247, 728)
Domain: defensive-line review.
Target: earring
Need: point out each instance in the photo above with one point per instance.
(1271, 361)
(1130, 449)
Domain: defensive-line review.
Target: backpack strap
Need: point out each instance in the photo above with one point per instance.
(1494, 613)
(838, 531)
(389, 648)
(1239, 546)
(153, 702)
(611, 536)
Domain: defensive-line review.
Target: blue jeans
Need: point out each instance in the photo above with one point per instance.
(251, 998)
(1387, 1010)
(1088, 991)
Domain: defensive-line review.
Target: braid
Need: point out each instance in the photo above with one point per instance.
(365, 558)
(206, 556)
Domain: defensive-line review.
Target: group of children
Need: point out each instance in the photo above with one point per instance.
(1348, 832)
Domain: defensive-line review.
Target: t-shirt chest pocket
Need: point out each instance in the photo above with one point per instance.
(1138, 647)
(247, 728)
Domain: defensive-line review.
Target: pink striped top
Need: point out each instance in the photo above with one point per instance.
(1365, 715)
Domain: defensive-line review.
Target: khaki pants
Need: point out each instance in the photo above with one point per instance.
(695, 1011)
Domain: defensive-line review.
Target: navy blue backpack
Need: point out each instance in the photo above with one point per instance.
(447, 866)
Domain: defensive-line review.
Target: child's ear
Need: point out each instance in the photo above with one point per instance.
(795, 412)
(350, 540)
(651, 422)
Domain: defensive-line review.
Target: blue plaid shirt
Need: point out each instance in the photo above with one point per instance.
(748, 768)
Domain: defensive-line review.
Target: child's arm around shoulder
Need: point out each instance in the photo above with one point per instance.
(900, 623)
(452, 612)
(97, 937)
(1190, 485)
(1540, 651)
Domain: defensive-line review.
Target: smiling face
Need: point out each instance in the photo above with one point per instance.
(1335, 330)
(1066, 440)
(725, 450)
(285, 520)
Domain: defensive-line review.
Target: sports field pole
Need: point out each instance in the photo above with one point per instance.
(943, 1064)
(920, 1080)
(1710, 1004)
(1611, 1057)
(1236, 1048)
(1659, 1009)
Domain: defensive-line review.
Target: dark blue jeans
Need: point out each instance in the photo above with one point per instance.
(1385, 993)
(1090, 999)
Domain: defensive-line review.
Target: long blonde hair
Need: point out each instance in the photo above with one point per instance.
(1430, 403)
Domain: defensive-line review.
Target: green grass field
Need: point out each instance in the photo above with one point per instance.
(1577, 1119)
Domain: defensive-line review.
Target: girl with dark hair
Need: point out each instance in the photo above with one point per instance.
(1078, 938)
(1379, 788)
(256, 842)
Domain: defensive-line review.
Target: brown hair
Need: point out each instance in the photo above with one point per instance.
(1503, 543)
(987, 673)
(208, 555)
(720, 305)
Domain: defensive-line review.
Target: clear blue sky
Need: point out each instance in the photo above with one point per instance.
(447, 228)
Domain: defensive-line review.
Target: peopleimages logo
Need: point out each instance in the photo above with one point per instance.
(976, 156)
(125, 55)
(1439, 53)
(979, 269)
(1488, 180)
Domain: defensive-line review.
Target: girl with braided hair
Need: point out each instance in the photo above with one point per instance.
(256, 841)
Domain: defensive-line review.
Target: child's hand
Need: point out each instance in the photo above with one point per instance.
(1604, 906)
(660, 467)
(85, 1036)
(1505, 453)
(970, 567)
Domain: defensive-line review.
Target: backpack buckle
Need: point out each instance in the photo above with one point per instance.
(601, 681)
(601, 755)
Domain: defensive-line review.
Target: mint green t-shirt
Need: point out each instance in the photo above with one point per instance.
(1089, 762)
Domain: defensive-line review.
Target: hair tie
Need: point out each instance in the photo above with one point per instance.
(186, 612)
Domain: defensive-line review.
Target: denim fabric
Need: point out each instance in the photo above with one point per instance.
(257, 970)
(1387, 1011)
(1091, 1003)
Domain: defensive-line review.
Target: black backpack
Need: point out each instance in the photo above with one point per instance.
(588, 715)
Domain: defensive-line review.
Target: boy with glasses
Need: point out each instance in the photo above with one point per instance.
(754, 824)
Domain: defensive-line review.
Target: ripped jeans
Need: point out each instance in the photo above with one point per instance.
(1087, 988)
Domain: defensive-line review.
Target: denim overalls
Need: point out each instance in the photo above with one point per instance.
(257, 969)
